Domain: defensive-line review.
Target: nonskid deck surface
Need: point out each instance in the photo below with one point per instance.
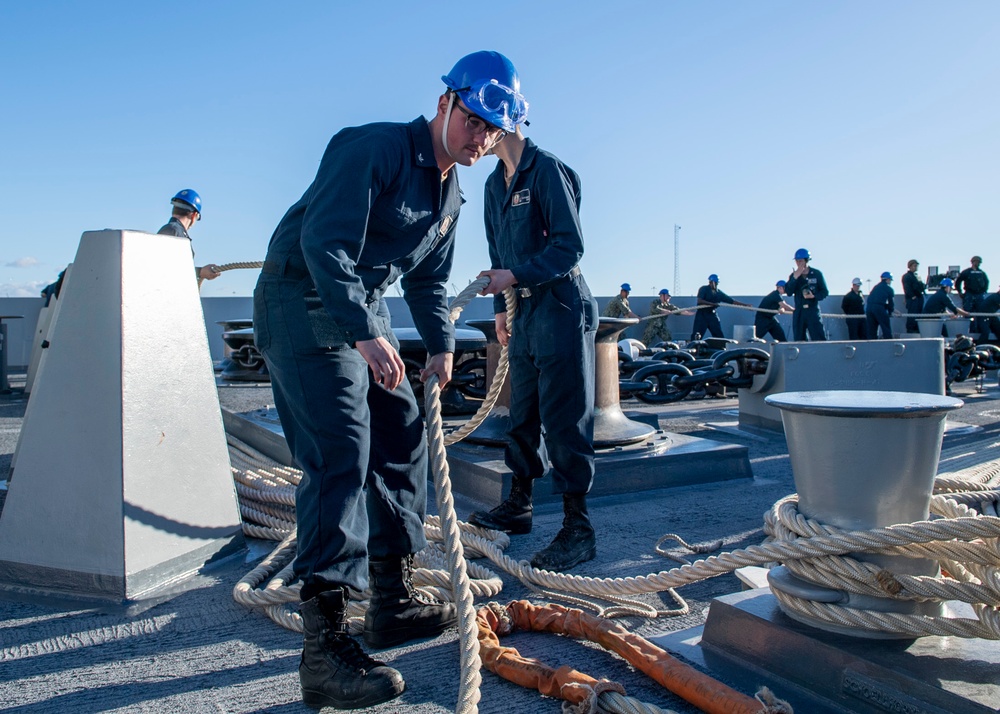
(201, 652)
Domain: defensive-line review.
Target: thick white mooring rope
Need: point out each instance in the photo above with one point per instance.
(964, 542)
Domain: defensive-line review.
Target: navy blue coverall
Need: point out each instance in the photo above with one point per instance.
(533, 230)
(913, 289)
(937, 304)
(376, 212)
(806, 318)
(991, 303)
(878, 309)
(972, 285)
(853, 303)
(705, 319)
(766, 323)
(173, 227)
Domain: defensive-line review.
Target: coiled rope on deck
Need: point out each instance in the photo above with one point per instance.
(962, 540)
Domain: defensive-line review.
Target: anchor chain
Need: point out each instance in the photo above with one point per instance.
(673, 377)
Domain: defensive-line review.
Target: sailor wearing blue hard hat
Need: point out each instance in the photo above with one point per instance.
(706, 320)
(185, 212)
(766, 322)
(618, 306)
(485, 89)
(808, 288)
(657, 330)
(940, 302)
(879, 307)
(383, 207)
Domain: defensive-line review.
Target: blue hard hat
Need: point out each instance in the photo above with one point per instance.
(713, 278)
(666, 292)
(947, 283)
(780, 284)
(189, 199)
(802, 254)
(887, 275)
(626, 287)
(487, 83)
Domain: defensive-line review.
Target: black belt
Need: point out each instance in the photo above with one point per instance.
(286, 270)
(528, 292)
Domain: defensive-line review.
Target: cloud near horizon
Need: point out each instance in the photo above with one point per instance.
(26, 262)
(32, 288)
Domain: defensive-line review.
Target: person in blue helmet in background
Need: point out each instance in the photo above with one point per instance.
(808, 288)
(383, 207)
(532, 203)
(879, 307)
(185, 213)
(657, 329)
(705, 319)
(618, 306)
(940, 303)
(766, 323)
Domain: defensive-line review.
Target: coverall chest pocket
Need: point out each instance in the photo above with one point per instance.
(393, 221)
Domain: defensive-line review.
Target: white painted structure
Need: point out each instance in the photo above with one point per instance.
(122, 484)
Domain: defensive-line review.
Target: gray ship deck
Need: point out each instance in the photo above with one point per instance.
(201, 652)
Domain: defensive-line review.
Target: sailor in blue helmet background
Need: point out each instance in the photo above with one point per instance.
(185, 212)
(383, 207)
(535, 239)
(705, 319)
(808, 288)
(660, 309)
(618, 306)
(940, 303)
(879, 307)
(766, 323)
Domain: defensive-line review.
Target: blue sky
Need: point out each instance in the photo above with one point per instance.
(864, 131)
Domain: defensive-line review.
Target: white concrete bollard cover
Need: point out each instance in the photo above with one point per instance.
(122, 484)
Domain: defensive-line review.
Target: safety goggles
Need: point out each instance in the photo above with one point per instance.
(495, 98)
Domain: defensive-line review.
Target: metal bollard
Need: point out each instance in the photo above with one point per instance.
(862, 460)
(611, 426)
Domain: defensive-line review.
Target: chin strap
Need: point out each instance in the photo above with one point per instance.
(447, 122)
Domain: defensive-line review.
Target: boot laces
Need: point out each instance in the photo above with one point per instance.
(346, 649)
(569, 535)
(510, 507)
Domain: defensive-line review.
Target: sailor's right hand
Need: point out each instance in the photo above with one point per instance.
(383, 360)
(500, 280)
(501, 325)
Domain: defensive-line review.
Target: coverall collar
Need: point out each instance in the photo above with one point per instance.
(423, 147)
(527, 159)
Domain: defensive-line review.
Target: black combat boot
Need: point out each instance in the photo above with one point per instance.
(575, 542)
(397, 611)
(334, 670)
(513, 515)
